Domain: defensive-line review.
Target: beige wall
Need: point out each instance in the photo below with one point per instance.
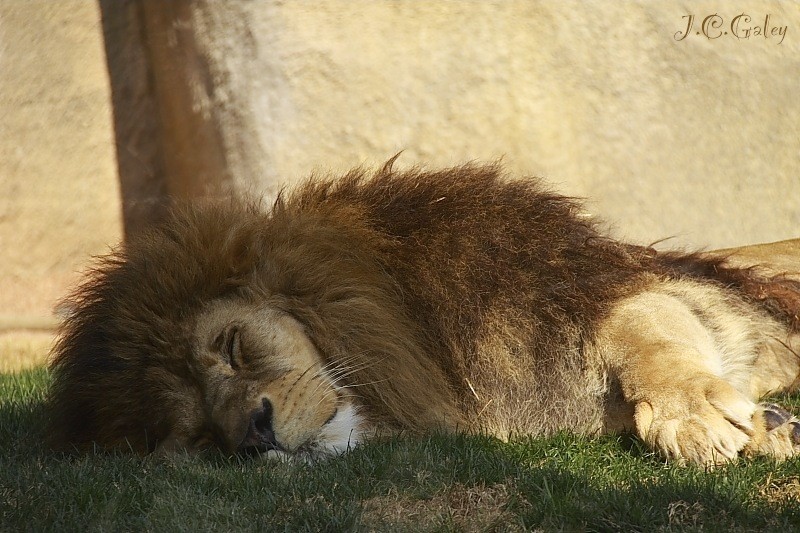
(59, 200)
(698, 138)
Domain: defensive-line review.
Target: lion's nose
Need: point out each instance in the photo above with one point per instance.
(260, 437)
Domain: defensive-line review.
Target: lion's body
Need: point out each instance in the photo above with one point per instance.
(454, 300)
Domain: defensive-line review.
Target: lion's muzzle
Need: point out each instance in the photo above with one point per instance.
(260, 436)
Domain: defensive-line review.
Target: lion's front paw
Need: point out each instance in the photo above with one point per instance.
(705, 422)
(776, 433)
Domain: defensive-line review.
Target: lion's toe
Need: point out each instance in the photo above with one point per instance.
(707, 425)
(710, 439)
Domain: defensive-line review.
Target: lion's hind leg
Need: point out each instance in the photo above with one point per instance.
(683, 356)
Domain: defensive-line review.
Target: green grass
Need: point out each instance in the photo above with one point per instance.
(433, 484)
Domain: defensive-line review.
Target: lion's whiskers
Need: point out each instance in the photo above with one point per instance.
(367, 383)
(343, 369)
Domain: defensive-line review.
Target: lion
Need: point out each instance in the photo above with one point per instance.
(417, 301)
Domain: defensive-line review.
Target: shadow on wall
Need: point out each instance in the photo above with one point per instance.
(166, 146)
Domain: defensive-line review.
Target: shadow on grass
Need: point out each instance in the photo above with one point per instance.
(432, 483)
(605, 484)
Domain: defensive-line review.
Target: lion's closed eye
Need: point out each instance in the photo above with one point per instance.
(229, 344)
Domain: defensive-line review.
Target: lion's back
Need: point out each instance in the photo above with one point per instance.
(503, 279)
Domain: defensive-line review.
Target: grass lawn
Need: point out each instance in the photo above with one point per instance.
(432, 484)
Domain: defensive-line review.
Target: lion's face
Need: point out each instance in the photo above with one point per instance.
(259, 385)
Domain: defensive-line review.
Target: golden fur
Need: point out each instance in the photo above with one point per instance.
(455, 300)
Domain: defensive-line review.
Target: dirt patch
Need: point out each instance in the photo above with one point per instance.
(474, 508)
(782, 491)
(685, 514)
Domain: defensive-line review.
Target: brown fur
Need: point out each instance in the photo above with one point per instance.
(455, 299)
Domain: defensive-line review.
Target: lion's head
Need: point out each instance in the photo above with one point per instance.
(249, 330)
(178, 343)
(259, 385)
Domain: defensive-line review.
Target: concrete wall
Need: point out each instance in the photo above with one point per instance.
(59, 192)
(698, 138)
